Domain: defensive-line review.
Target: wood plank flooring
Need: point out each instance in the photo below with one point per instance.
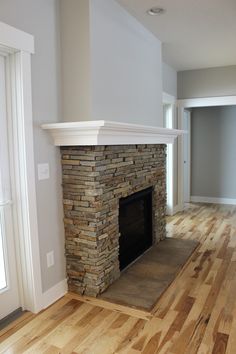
(197, 313)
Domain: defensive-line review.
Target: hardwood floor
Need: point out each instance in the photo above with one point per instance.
(197, 313)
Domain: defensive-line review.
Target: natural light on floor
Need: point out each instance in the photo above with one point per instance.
(3, 282)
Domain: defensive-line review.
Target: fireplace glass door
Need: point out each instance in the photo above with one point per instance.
(135, 223)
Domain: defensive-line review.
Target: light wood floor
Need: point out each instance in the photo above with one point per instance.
(197, 314)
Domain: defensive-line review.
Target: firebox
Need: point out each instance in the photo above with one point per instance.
(135, 225)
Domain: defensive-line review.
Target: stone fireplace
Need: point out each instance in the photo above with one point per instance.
(103, 163)
(94, 179)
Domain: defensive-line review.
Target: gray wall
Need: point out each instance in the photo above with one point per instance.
(210, 82)
(126, 67)
(76, 75)
(169, 79)
(213, 152)
(115, 72)
(40, 18)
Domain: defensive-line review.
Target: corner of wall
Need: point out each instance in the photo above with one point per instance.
(55, 293)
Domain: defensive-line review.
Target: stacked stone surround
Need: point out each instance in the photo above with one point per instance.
(94, 179)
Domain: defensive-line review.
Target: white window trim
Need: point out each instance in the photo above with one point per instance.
(171, 101)
(168, 99)
(18, 47)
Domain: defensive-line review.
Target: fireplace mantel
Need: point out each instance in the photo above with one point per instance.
(103, 132)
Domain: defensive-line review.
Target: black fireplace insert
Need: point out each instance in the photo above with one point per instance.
(135, 223)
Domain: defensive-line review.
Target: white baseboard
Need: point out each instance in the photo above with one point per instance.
(211, 200)
(169, 211)
(176, 209)
(54, 293)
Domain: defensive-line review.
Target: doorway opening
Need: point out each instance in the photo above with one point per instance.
(206, 160)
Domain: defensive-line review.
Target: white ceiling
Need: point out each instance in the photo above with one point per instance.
(195, 33)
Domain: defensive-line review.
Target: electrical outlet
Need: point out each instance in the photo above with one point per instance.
(43, 171)
(50, 259)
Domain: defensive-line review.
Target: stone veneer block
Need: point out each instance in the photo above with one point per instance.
(94, 179)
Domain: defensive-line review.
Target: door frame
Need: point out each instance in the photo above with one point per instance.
(189, 155)
(193, 103)
(18, 46)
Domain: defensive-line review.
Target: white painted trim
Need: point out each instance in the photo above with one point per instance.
(109, 133)
(24, 207)
(208, 102)
(54, 293)
(30, 254)
(169, 123)
(190, 153)
(189, 156)
(15, 39)
(20, 126)
(196, 199)
(168, 99)
(169, 178)
(180, 160)
(193, 103)
(169, 211)
(177, 209)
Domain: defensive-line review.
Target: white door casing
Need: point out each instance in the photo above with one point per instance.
(17, 47)
(9, 290)
(187, 156)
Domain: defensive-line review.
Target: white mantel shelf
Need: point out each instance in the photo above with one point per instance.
(103, 132)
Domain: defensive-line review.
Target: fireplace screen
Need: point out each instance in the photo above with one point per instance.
(135, 223)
